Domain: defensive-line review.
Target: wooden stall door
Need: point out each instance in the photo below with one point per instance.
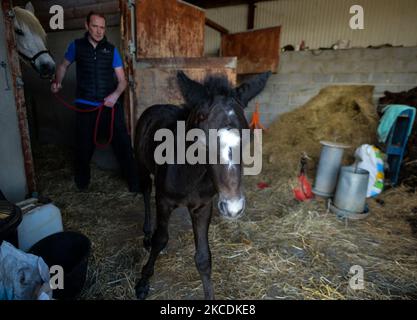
(169, 28)
(257, 50)
(169, 36)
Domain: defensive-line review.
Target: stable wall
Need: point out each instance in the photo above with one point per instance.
(321, 23)
(302, 74)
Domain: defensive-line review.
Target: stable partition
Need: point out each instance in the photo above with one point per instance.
(159, 38)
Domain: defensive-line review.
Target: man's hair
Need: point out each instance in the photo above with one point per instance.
(93, 13)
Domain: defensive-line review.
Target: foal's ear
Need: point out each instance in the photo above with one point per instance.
(251, 88)
(192, 91)
(29, 7)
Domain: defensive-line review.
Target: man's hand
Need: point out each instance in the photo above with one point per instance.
(55, 87)
(111, 100)
(59, 76)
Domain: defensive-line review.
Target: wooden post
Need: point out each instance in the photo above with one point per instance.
(19, 96)
(251, 15)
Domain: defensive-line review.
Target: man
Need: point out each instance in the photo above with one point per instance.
(98, 64)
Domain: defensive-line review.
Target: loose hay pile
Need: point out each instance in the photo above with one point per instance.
(338, 113)
(280, 249)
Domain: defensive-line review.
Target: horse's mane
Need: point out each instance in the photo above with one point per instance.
(213, 85)
(28, 18)
(217, 85)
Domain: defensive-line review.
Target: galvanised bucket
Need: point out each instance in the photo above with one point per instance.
(328, 169)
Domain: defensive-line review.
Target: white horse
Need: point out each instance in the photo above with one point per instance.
(31, 41)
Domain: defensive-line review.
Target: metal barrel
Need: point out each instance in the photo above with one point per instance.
(351, 189)
(328, 168)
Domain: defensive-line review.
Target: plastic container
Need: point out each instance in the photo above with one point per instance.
(9, 224)
(328, 169)
(37, 224)
(397, 144)
(70, 250)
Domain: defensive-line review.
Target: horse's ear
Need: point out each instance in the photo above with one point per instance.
(29, 7)
(192, 91)
(252, 87)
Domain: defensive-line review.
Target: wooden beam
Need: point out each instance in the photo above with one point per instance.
(44, 5)
(251, 15)
(112, 20)
(192, 63)
(207, 4)
(216, 26)
(107, 8)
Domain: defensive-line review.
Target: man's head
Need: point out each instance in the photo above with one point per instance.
(96, 26)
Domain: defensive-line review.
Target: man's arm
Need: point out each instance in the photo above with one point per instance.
(111, 99)
(59, 75)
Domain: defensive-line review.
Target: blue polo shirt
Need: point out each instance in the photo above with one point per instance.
(70, 56)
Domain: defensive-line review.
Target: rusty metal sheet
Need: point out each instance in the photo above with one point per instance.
(19, 97)
(169, 28)
(157, 84)
(257, 50)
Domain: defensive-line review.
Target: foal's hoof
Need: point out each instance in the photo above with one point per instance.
(147, 243)
(142, 290)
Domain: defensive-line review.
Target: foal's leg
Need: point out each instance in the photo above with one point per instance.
(201, 220)
(159, 241)
(146, 186)
(147, 225)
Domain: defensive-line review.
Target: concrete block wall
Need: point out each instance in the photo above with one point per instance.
(302, 74)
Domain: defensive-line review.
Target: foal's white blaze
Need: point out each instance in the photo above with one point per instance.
(228, 140)
(235, 206)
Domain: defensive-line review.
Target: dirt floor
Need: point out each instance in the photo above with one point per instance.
(280, 249)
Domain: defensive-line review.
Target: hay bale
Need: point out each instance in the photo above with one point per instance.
(342, 114)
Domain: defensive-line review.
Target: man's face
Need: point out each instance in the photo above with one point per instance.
(96, 28)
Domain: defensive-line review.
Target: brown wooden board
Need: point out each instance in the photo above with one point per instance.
(221, 3)
(169, 28)
(19, 96)
(156, 80)
(257, 50)
(126, 35)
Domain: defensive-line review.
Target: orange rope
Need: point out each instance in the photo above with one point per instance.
(256, 121)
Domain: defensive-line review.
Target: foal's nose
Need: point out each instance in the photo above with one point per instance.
(233, 208)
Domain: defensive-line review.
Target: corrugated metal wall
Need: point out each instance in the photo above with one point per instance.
(233, 18)
(320, 23)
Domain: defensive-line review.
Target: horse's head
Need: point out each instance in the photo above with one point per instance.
(31, 41)
(215, 105)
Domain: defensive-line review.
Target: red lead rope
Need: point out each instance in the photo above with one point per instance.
(100, 109)
(111, 127)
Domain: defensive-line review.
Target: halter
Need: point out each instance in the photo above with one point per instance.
(33, 59)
